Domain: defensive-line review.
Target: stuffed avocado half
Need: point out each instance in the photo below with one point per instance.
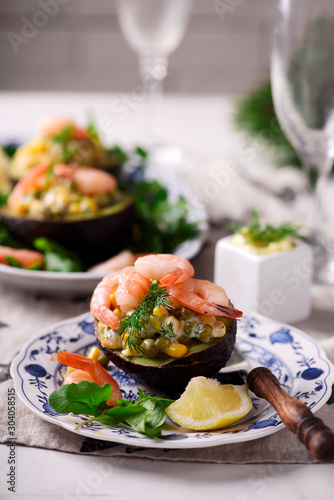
(76, 206)
(156, 322)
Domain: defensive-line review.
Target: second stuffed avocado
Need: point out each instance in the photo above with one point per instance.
(78, 207)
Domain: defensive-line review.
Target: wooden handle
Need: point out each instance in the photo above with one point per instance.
(295, 415)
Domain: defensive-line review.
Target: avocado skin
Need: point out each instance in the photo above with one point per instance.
(93, 239)
(176, 374)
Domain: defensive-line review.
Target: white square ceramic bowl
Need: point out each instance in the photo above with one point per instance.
(277, 285)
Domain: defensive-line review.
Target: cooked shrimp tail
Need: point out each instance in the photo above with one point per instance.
(95, 372)
(229, 312)
(203, 297)
(126, 286)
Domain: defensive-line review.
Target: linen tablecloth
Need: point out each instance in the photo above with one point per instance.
(22, 315)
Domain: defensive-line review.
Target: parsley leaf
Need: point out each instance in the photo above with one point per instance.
(161, 224)
(57, 258)
(82, 398)
(146, 415)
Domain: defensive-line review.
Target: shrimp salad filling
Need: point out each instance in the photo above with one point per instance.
(60, 139)
(54, 191)
(155, 309)
(165, 332)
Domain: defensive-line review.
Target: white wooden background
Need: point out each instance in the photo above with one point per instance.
(81, 48)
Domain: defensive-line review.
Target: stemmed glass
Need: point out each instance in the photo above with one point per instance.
(302, 74)
(153, 29)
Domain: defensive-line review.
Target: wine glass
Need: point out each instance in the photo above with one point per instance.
(302, 75)
(153, 29)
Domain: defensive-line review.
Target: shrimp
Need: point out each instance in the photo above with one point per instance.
(128, 285)
(92, 372)
(204, 297)
(166, 268)
(54, 126)
(34, 179)
(89, 180)
(26, 258)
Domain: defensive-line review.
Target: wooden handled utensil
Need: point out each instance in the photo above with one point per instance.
(295, 415)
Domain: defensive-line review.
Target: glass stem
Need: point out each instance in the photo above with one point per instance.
(153, 70)
(317, 170)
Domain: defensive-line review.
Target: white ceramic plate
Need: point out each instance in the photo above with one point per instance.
(71, 284)
(300, 365)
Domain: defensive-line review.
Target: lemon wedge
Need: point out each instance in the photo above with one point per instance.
(207, 405)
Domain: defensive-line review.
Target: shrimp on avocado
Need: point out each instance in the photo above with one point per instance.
(156, 308)
(52, 191)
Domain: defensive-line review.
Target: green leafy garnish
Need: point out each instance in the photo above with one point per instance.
(161, 224)
(64, 136)
(157, 296)
(262, 235)
(146, 415)
(141, 152)
(6, 239)
(117, 155)
(84, 397)
(57, 258)
(92, 130)
(255, 114)
(11, 261)
(3, 198)
(10, 149)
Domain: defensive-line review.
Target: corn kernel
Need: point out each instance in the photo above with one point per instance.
(69, 370)
(206, 318)
(118, 312)
(176, 350)
(155, 323)
(125, 337)
(159, 311)
(94, 353)
(112, 299)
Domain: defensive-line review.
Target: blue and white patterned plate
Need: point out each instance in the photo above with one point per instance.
(300, 365)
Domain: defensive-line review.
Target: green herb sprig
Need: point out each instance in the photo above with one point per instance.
(157, 296)
(64, 136)
(92, 129)
(161, 223)
(56, 257)
(262, 235)
(146, 415)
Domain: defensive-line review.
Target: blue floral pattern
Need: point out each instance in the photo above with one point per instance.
(297, 361)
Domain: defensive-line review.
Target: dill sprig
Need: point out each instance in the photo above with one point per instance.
(261, 236)
(157, 296)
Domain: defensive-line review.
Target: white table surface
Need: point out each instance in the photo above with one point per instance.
(202, 126)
